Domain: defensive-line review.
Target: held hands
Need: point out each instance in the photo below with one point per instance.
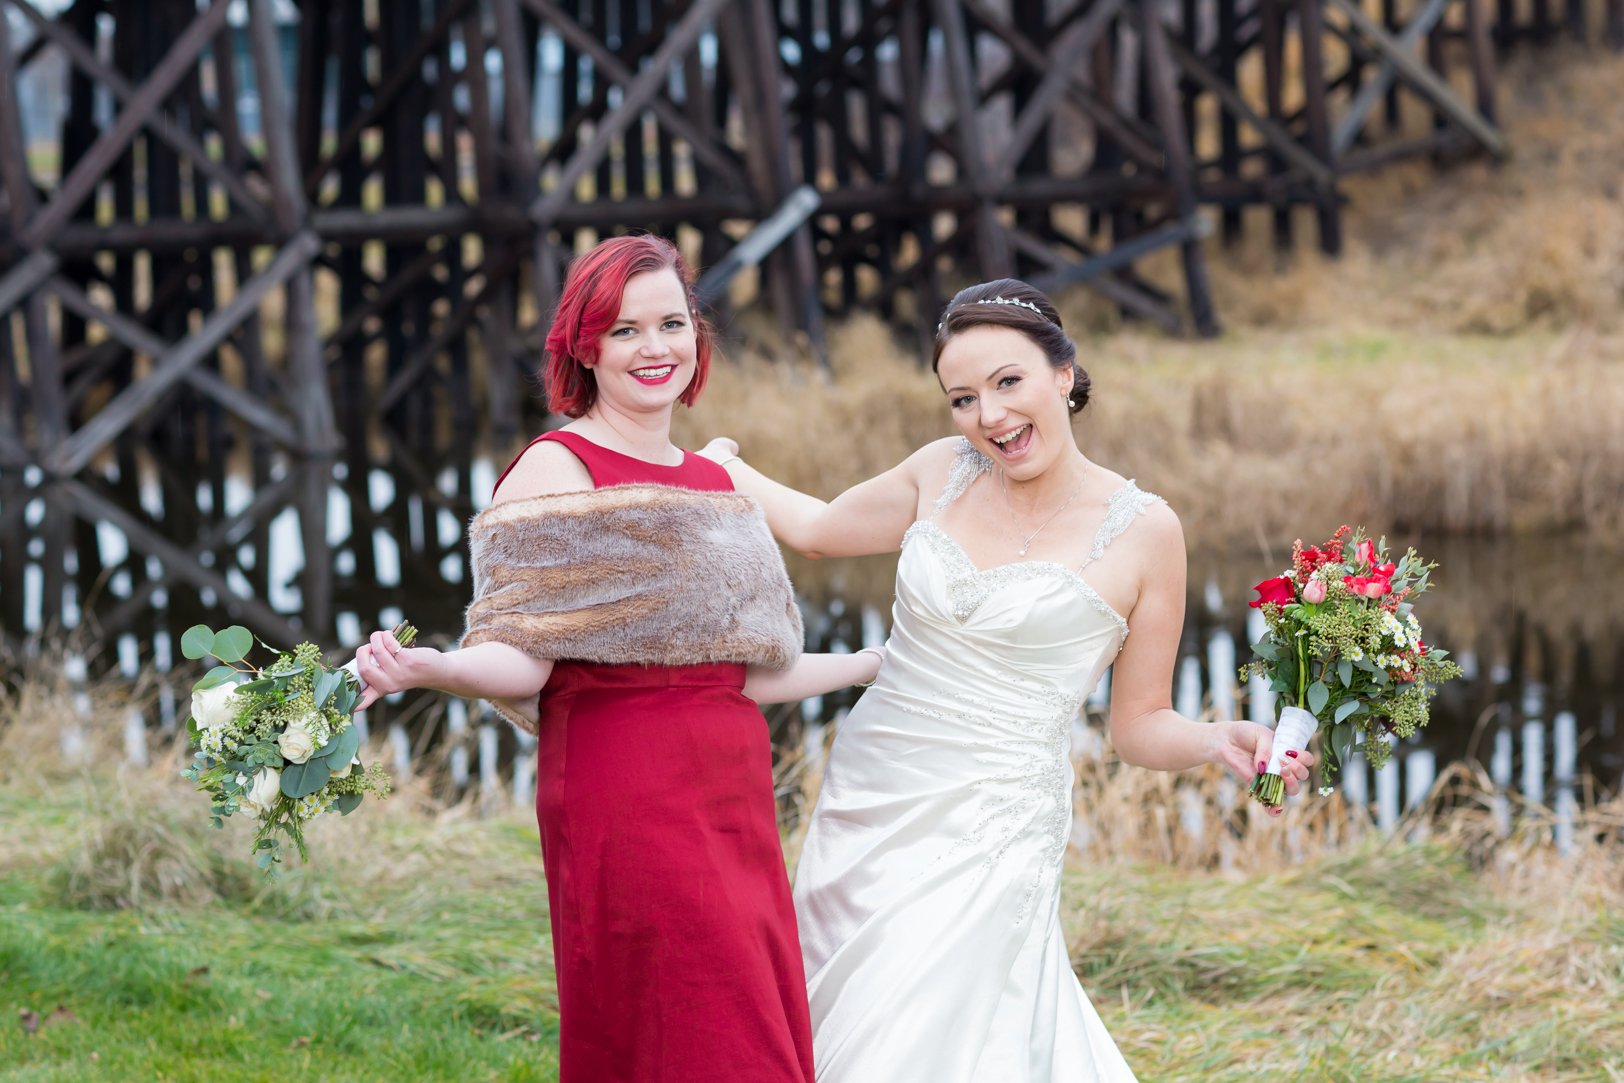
(386, 667)
(723, 447)
(1244, 748)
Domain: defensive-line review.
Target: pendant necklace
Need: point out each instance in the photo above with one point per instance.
(1026, 540)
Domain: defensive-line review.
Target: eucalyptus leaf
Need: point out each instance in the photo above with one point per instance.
(326, 685)
(264, 860)
(233, 644)
(1352, 707)
(303, 779)
(197, 641)
(264, 684)
(348, 803)
(1344, 670)
(1266, 650)
(1342, 743)
(1318, 694)
(341, 749)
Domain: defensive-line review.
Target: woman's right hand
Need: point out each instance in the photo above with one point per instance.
(722, 447)
(387, 667)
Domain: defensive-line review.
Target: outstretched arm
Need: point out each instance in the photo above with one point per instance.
(488, 671)
(870, 517)
(813, 675)
(1145, 730)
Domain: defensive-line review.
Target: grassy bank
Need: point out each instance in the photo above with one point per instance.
(415, 945)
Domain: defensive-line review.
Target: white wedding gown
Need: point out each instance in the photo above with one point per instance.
(928, 891)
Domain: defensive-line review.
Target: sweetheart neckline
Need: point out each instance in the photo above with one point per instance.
(1076, 581)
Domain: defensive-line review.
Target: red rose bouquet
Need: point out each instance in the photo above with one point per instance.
(1344, 652)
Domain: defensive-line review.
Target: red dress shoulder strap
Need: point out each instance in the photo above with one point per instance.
(612, 468)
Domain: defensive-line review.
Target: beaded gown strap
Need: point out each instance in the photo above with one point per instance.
(1121, 509)
(968, 464)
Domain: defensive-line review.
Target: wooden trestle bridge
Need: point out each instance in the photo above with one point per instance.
(300, 242)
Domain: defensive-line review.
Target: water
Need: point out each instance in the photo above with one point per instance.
(1531, 621)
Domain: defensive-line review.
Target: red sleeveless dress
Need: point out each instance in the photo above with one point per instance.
(673, 929)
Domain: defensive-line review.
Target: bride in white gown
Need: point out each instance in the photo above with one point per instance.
(928, 888)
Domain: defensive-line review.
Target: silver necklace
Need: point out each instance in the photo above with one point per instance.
(1026, 540)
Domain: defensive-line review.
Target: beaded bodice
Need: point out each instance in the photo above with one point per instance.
(969, 587)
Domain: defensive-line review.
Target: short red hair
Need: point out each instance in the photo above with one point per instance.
(589, 306)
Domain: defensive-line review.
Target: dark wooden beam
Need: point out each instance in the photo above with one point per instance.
(82, 180)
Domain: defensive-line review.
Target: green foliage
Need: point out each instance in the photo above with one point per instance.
(296, 691)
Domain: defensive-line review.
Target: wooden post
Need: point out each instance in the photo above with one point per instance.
(307, 372)
(1162, 81)
(1272, 38)
(1482, 53)
(1615, 24)
(1311, 25)
(991, 244)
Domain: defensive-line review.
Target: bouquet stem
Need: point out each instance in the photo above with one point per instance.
(1295, 730)
(1270, 790)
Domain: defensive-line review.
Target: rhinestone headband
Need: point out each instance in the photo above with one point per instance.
(1009, 301)
(994, 301)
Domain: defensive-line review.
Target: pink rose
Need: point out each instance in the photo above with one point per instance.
(1365, 552)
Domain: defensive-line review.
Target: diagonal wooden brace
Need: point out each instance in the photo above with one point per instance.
(77, 186)
(1347, 130)
(603, 58)
(141, 340)
(24, 278)
(88, 504)
(1074, 44)
(1279, 139)
(73, 453)
(1423, 80)
(162, 126)
(636, 98)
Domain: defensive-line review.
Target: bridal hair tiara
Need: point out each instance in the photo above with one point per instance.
(996, 301)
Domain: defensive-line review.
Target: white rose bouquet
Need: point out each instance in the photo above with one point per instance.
(279, 743)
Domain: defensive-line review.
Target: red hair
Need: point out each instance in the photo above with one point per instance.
(589, 306)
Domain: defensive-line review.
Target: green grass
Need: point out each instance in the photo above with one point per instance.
(415, 947)
(324, 977)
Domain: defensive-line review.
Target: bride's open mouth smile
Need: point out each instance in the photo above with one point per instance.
(654, 374)
(1014, 443)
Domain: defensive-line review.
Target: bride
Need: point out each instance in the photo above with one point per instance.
(928, 890)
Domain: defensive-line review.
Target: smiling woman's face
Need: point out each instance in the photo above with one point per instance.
(648, 356)
(1007, 399)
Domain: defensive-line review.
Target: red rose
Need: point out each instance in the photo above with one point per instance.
(1386, 570)
(1278, 590)
(1367, 586)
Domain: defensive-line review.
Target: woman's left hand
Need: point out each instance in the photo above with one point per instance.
(720, 448)
(1244, 748)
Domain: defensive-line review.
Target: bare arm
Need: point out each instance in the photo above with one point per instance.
(870, 517)
(1145, 730)
(488, 671)
(812, 675)
(491, 671)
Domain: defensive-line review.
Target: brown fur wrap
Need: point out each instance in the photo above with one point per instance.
(648, 574)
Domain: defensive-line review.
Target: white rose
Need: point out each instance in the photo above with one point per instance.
(267, 787)
(296, 743)
(348, 767)
(215, 707)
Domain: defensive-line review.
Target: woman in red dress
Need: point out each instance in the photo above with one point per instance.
(630, 609)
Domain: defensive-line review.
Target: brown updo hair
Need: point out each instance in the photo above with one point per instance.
(992, 304)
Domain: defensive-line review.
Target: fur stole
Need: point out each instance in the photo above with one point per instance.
(648, 574)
